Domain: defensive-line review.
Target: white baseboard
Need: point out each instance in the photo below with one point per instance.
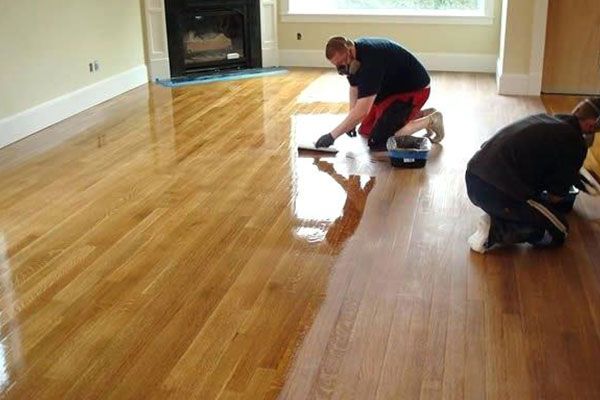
(270, 58)
(452, 62)
(499, 72)
(535, 84)
(303, 58)
(458, 62)
(23, 124)
(159, 69)
(518, 84)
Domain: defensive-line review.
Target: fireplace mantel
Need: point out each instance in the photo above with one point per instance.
(157, 47)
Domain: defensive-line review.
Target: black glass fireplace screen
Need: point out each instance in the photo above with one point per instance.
(213, 37)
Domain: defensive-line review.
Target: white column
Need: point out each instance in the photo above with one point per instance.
(268, 31)
(522, 82)
(157, 46)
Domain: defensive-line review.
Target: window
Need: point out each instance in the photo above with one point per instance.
(315, 6)
(419, 11)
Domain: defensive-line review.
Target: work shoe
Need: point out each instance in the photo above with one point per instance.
(480, 240)
(425, 113)
(588, 182)
(435, 130)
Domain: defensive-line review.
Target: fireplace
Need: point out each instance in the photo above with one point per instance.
(206, 36)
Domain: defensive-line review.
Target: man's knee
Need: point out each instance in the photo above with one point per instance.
(392, 119)
(469, 185)
(475, 189)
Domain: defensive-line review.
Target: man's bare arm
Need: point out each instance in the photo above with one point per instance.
(353, 95)
(356, 115)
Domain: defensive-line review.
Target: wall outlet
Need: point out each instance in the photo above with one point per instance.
(96, 65)
(298, 36)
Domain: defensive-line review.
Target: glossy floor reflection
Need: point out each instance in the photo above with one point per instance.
(10, 345)
(157, 237)
(330, 87)
(330, 190)
(328, 205)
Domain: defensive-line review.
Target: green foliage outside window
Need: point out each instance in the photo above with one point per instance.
(409, 4)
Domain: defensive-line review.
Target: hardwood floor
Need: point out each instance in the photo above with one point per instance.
(173, 244)
(556, 103)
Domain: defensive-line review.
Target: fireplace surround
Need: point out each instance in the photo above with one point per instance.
(219, 41)
(207, 35)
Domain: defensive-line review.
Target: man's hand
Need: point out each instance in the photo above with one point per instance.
(325, 141)
(587, 183)
(351, 132)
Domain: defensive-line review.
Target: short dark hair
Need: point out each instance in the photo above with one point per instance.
(588, 108)
(335, 45)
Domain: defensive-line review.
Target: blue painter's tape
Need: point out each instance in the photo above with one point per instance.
(220, 77)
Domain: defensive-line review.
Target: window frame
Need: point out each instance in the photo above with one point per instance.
(443, 17)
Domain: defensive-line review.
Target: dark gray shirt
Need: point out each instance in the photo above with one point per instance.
(540, 152)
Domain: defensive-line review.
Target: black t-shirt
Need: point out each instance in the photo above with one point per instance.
(539, 152)
(386, 68)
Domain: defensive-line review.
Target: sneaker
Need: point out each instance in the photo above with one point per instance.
(589, 182)
(391, 143)
(480, 241)
(429, 135)
(426, 112)
(435, 131)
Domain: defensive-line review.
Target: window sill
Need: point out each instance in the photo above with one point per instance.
(431, 18)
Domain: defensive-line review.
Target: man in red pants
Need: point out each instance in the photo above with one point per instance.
(388, 88)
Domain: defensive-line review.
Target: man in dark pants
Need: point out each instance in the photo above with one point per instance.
(523, 173)
(388, 88)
